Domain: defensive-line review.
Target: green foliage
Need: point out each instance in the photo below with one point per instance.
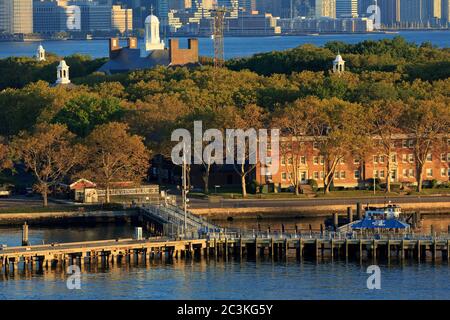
(82, 113)
(24, 70)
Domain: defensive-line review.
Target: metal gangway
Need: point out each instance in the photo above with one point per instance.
(175, 217)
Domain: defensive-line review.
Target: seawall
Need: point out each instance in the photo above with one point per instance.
(427, 208)
(67, 217)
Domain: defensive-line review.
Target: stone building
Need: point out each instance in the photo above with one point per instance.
(153, 54)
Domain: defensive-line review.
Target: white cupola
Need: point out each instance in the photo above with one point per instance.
(338, 64)
(40, 53)
(62, 73)
(152, 40)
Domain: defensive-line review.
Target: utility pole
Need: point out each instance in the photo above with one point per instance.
(185, 191)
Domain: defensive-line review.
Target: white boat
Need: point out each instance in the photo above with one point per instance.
(390, 211)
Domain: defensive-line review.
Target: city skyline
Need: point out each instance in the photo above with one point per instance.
(194, 16)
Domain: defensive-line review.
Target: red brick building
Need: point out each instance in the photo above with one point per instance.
(352, 172)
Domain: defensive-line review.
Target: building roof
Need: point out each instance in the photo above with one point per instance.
(130, 59)
(151, 19)
(339, 58)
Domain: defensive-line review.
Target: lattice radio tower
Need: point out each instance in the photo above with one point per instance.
(218, 25)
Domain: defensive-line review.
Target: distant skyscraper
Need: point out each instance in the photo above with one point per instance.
(346, 8)
(121, 19)
(163, 11)
(325, 8)
(247, 5)
(16, 16)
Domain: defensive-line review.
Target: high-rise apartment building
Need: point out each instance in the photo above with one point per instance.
(16, 16)
(346, 8)
(121, 19)
(325, 8)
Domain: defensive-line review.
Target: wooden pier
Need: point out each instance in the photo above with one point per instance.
(225, 246)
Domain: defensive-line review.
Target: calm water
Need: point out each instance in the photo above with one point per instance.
(234, 47)
(202, 279)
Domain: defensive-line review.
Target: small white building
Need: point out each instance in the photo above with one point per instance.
(62, 73)
(40, 53)
(152, 39)
(338, 64)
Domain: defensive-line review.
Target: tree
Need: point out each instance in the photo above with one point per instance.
(291, 120)
(5, 155)
(115, 155)
(339, 129)
(83, 112)
(50, 153)
(426, 121)
(155, 120)
(386, 117)
(248, 119)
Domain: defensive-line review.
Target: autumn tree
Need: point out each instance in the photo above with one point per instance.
(5, 155)
(426, 121)
(385, 118)
(339, 129)
(291, 120)
(115, 155)
(50, 153)
(249, 119)
(155, 120)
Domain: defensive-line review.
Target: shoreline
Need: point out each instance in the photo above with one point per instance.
(430, 209)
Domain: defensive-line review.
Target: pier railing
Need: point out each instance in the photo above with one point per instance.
(326, 235)
(175, 217)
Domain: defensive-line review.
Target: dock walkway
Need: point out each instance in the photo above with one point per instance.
(311, 245)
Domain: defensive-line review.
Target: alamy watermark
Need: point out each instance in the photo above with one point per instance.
(241, 147)
(73, 282)
(374, 280)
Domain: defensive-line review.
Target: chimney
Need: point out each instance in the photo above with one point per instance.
(132, 42)
(114, 47)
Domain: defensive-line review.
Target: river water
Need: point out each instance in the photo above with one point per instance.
(234, 46)
(233, 279)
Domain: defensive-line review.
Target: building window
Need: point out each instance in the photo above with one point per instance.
(303, 176)
(316, 160)
(381, 159)
(356, 161)
(411, 173)
(394, 158)
(356, 174)
(315, 145)
(342, 161)
(283, 161)
(316, 175)
(411, 158)
(405, 143)
(303, 160)
(290, 160)
(429, 172)
(411, 143)
(375, 159)
(405, 173)
(429, 157)
(448, 157)
(404, 158)
(443, 157)
(342, 174)
(321, 175)
(321, 160)
(443, 172)
(283, 176)
(381, 173)
(375, 174)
